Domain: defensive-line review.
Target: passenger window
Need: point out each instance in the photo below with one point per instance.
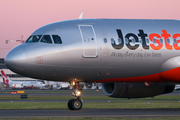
(175, 41)
(33, 38)
(154, 41)
(46, 39)
(57, 39)
(119, 40)
(168, 41)
(161, 41)
(133, 40)
(112, 41)
(105, 40)
(126, 40)
(140, 41)
(147, 41)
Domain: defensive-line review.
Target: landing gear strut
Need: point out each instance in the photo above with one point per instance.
(76, 103)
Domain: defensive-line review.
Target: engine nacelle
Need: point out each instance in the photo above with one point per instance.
(136, 90)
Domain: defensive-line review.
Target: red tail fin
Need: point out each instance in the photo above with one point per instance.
(5, 79)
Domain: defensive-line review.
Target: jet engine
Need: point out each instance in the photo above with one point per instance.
(136, 90)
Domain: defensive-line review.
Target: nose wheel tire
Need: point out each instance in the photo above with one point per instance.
(74, 104)
(69, 104)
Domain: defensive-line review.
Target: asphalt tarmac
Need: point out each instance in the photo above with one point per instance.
(85, 101)
(93, 113)
(46, 94)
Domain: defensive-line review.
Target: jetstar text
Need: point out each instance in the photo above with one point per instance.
(143, 36)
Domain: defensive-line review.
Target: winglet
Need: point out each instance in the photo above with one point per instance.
(80, 17)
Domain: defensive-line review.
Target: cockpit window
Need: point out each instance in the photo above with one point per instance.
(33, 38)
(57, 39)
(46, 39)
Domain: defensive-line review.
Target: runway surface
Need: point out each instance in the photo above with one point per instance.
(46, 94)
(85, 101)
(138, 113)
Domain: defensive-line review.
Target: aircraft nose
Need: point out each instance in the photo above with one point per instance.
(15, 60)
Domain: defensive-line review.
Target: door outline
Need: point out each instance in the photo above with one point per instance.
(84, 48)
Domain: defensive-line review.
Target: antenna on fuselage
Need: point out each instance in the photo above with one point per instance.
(80, 17)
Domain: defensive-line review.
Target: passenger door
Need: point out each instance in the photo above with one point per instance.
(89, 40)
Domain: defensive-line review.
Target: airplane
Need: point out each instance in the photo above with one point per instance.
(132, 58)
(21, 84)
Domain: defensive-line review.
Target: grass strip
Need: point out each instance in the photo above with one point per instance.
(99, 105)
(91, 118)
(85, 97)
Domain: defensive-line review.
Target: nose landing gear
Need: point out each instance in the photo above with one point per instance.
(76, 103)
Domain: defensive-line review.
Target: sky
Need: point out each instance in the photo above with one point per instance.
(22, 17)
